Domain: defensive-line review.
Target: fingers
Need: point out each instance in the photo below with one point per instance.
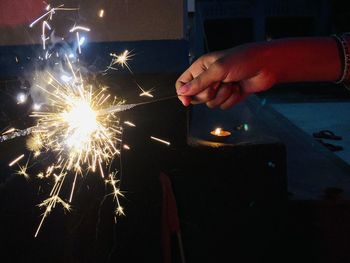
(199, 66)
(211, 77)
(185, 100)
(222, 95)
(186, 77)
(205, 95)
(233, 100)
(202, 97)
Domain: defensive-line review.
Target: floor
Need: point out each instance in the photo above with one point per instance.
(315, 107)
(316, 116)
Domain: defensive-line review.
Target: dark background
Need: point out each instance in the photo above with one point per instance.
(237, 201)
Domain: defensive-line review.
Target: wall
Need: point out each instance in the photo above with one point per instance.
(123, 20)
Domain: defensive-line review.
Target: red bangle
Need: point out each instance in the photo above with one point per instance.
(343, 44)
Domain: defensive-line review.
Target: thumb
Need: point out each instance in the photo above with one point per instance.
(208, 78)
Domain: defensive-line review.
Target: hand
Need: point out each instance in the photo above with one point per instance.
(224, 78)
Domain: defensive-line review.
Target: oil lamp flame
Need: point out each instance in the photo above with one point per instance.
(220, 134)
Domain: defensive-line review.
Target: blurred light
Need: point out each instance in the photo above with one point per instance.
(71, 55)
(36, 106)
(66, 78)
(101, 13)
(21, 98)
(81, 41)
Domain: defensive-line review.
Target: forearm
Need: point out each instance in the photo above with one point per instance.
(305, 59)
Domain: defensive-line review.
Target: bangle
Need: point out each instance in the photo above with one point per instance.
(345, 57)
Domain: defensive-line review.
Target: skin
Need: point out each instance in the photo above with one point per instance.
(224, 78)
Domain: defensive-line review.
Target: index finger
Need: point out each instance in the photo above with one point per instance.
(196, 68)
(184, 78)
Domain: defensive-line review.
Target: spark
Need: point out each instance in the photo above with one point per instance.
(116, 192)
(120, 211)
(121, 59)
(50, 203)
(35, 143)
(16, 160)
(75, 28)
(50, 12)
(129, 123)
(146, 93)
(45, 25)
(78, 41)
(126, 147)
(160, 140)
(23, 170)
(101, 13)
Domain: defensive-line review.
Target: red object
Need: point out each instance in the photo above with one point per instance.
(18, 12)
(170, 219)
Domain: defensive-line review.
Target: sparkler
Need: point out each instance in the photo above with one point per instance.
(12, 133)
(82, 139)
(80, 125)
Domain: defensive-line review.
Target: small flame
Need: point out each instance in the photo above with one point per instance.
(218, 131)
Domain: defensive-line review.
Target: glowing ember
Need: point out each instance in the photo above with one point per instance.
(160, 140)
(101, 13)
(129, 123)
(146, 93)
(121, 60)
(16, 160)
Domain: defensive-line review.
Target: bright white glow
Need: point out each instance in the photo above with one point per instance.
(66, 78)
(36, 106)
(71, 55)
(129, 123)
(75, 28)
(21, 98)
(16, 160)
(160, 140)
(217, 131)
(101, 13)
(81, 121)
(81, 41)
